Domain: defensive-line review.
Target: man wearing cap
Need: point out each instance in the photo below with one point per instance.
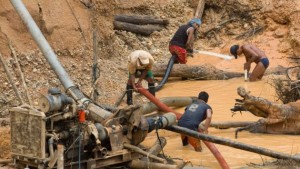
(139, 61)
(193, 115)
(183, 40)
(252, 54)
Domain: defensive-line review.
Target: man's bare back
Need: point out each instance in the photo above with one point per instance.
(252, 54)
(252, 51)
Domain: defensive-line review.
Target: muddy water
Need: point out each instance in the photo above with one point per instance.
(222, 98)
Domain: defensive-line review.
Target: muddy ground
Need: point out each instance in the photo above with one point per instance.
(68, 26)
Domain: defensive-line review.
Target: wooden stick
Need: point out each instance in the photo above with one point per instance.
(140, 151)
(10, 79)
(21, 73)
(118, 102)
(95, 70)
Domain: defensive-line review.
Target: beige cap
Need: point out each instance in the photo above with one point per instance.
(144, 59)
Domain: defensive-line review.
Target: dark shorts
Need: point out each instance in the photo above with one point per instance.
(265, 62)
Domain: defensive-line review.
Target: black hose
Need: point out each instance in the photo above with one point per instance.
(167, 73)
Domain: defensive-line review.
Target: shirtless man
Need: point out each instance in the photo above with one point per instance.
(252, 54)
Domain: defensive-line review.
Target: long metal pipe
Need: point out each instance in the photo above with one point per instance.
(42, 43)
(234, 144)
(95, 112)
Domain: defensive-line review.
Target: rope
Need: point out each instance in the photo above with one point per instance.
(159, 123)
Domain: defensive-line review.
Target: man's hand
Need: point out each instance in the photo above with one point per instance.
(135, 88)
(190, 52)
(137, 84)
(202, 129)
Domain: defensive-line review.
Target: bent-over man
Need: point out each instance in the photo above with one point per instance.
(140, 64)
(252, 54)
(194, 114)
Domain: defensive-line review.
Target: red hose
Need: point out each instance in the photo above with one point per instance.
(165, 108)
(157, 102)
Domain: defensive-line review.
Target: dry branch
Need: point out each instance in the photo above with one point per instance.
(10, 79)
(20, 71)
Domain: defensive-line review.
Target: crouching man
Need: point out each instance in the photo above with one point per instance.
(194, 114)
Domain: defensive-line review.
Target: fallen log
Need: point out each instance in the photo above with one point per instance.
(206, 72)
(139, 29)
(201, 72)
(277, 118)
(141, 19)
(230, 143)
(6, 161)
(227, 125)
(278, 70)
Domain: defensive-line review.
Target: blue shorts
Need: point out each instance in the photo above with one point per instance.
(265, 62)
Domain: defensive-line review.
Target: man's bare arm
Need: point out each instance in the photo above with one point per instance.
(208, 120)
(250, 55)
(189, 43)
